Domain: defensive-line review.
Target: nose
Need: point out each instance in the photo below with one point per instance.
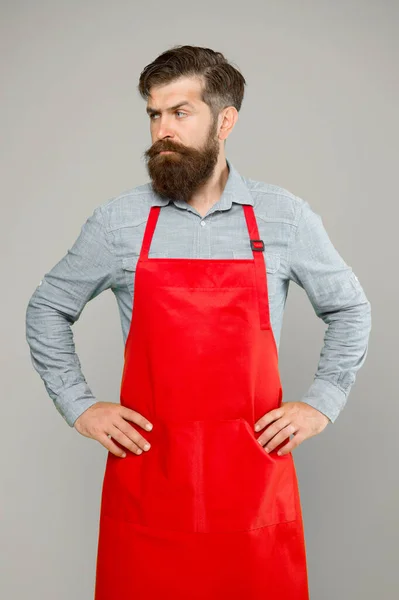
(164, 129)
(164, 135)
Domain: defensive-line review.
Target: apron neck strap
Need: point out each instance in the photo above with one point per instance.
(149, 231)
(258, 247)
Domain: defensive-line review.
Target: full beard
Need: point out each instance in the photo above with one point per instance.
(179, 174)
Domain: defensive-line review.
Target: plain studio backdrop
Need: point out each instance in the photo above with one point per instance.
(319, 118)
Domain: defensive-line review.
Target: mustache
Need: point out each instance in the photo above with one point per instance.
(156, 149)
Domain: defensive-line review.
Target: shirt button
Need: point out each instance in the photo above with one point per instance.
(203, 223)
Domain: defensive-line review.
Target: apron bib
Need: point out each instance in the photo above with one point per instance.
(206, 513)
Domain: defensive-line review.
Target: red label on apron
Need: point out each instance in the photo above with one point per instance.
(206, 513)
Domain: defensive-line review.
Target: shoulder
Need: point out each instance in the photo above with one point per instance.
(273, 202)
(130, 207)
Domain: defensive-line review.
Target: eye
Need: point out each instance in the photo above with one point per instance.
(153, 115)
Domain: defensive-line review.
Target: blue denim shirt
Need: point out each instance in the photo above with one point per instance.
(105, 254)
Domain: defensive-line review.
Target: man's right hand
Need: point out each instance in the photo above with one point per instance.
(103, 418)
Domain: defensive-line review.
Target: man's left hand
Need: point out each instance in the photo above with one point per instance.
(292, 418)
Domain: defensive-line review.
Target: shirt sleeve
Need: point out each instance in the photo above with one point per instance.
(340, 301)
(84, 272)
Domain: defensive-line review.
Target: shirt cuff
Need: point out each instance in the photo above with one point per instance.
(326, 397)
(73, 401)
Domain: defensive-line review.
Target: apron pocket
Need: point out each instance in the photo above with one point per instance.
(244, 487)
(157, 488)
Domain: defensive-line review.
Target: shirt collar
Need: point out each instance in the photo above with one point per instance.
(235, 190)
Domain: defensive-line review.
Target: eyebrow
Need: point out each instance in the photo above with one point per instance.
(152, 111)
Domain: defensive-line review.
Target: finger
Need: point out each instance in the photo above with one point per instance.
(296, 440)
(269, 417)
(110, 445)
(273, 430)
(132, 415)
(280, 437)
(124, 440)
(131, 433)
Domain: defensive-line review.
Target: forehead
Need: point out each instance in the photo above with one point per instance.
(182, 89)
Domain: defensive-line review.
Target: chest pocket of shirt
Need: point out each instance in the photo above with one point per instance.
(129, 264)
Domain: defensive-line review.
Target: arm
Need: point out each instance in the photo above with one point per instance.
(338, 298)
(56, 304)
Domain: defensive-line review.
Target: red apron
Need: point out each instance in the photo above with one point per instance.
(206, 513)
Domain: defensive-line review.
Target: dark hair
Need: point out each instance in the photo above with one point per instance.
(223, 84)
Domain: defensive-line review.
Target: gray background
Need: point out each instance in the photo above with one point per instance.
(319, 118)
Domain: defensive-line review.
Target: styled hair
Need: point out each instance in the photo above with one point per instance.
(223, 83)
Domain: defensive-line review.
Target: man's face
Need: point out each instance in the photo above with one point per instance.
(188, 132)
